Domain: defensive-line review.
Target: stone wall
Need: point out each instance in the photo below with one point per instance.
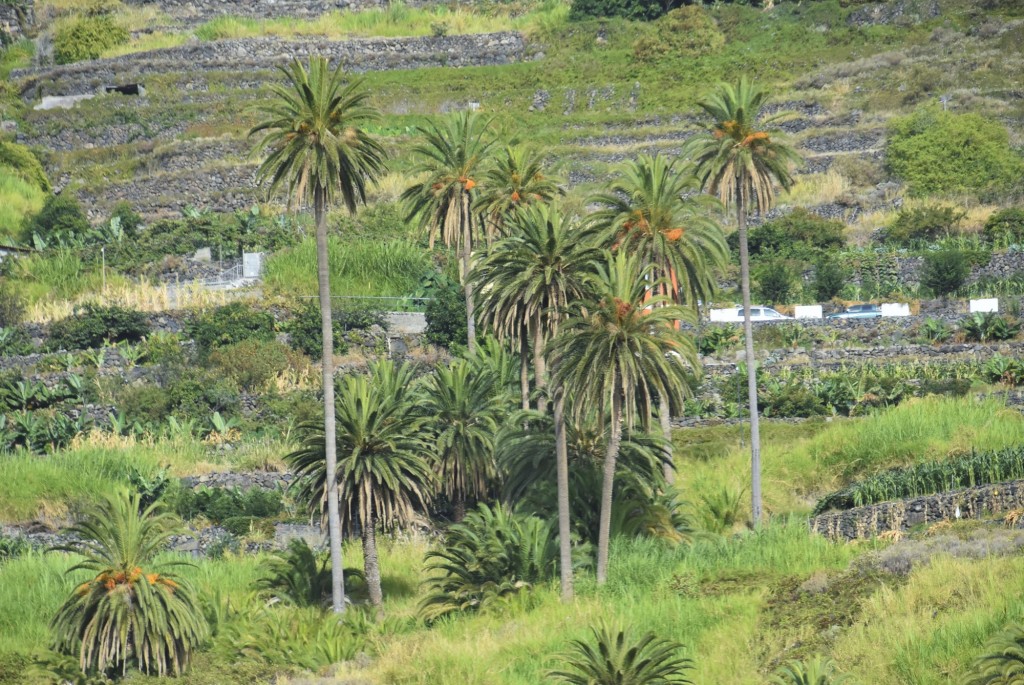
(865, 522)
(15, 20)
(358, 55)
(1002, 265)
(192, 12)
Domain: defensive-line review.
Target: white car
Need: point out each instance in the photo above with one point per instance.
(756, 314)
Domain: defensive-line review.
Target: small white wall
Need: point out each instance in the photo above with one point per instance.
(896, 309)
(807, 311)
(723, 315)
(990, 304)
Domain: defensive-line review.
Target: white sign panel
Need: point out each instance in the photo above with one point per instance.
(807, 311)
(896, 309)
(990, 304)
(252, 264)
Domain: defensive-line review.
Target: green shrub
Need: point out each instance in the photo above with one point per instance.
(252, 364)
(941, 152)
(684, 32)
(776, 281)
(296, 637)
(715, 339)
(220, 504)
(830, 277)
(446, 315)
(87, 37)
(14, 341)
(944, 272)
(199, 394)
(129, 219)
(94, 325)
(640, 10)
(800, 234)
(988, 327)
(1005, 226)
(143, 404)
(923, 224)
(60, 221)
(22, 162)
(305, 332)
(792, 400)
(935, 331)
(230, 324)
(12, 306)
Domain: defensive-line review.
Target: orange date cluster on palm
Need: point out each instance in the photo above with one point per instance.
(111, 580)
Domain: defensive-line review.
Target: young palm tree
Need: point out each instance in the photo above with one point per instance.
(133, 612)
(816, 671)
(651, 211)
(527, 280)
(464, 414)
(740, 163)
(516, 180)
(317, 151)
(381, 472)
(451, 157)
(619, 352)
(616, 659)
(1003, 662)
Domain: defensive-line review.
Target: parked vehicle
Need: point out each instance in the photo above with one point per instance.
(859, 311)
(756, 314)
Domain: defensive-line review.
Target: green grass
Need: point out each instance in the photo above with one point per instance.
(18, 199)
(382, 268)
(60, 274)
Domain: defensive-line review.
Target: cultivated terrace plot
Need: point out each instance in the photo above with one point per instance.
(395, 343)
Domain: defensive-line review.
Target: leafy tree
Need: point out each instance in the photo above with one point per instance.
(739, 161)
(381, 473)
(319, 151)
(800, 234)
(776, 281)
(614, 658)
(452, 158)
(936, 151)
(87, 37)
(945, 271)
(446, 315)
(830, 277)
(517, 179)
(923, 224)
(1006, 226)
(61, 221)
(132, 613)
(464, 416)
(619, 351)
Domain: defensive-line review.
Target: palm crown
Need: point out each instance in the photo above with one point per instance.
(515, 180)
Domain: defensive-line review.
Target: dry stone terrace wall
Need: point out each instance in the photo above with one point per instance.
(193, 12)
(358, 55)
(901, 515)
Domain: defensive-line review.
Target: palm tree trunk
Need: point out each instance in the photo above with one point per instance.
(524, 366)
(371, 564)
(666, 428)
(539, 363)
(467, 254)
(748, 335)
(564, 531)
(327, 367)
(605, 527)
(459, 508)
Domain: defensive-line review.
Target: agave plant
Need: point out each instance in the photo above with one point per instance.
(133, 613)
(615, 659)
(817, 671)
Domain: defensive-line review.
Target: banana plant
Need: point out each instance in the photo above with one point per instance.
(132, 355)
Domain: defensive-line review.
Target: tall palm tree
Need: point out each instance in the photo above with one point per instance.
(528, 279)
(133, 611)
(651, 211)
(516, 179)
(451, 157)
(740, 162)
(380, 468)
(318, 151)
(621, 350)
(464, 414)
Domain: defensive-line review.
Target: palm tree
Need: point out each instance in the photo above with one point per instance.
(380, 468)
(528, 279)
(133, 611)
(451, 157)
(1003, 661)
(651, 211)
(464, 414)
(815, 671)
(620, 351)
(740, 163)
(618, 659)
(319, 152)
(516, 180)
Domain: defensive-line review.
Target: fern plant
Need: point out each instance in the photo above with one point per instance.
(615, 659)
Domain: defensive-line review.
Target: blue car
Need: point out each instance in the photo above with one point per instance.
(859, 311)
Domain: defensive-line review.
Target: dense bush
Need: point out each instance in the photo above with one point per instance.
(800, 234)
(684, 32)
(928, 478)
(944, 272)
(220, 504)
(87, 37)
(1005, 226)
(129, 220)
(988, 327)
(23, 163)
(14, 341)
(941, 152)
(94, 325)
(60, 221)
(830, 277)
(191, 393)
(446, 315)
(642, 10)
(230, 324)
(776, 281)
(252, 364)
(305, 331)
(923, 224)
(793, 400)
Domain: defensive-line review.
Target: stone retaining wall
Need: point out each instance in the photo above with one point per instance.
(357, 55)
(192, 12)
(11, 18)
(869, 521)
